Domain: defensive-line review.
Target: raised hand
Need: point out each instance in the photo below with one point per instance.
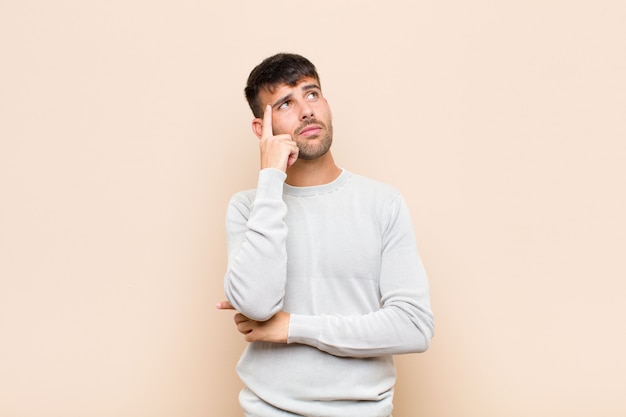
(279, 151)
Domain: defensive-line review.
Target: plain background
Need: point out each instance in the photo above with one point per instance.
(124, 132)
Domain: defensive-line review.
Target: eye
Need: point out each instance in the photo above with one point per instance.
(284, 104)
(312, 95)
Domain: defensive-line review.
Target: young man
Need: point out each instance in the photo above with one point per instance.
(323, 267)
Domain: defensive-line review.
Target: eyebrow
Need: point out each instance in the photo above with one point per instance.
(311, 87)
(306, 87)
(282, 100)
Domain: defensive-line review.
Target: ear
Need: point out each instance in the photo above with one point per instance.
(257, 127)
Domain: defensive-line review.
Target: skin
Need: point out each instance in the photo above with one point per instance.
(296, 126)
(274, 330)
(297, 121)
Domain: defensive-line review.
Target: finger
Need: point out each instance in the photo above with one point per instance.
(245, 327)
(293, 156)
(224, 305)
(240, 318)
(267, 122)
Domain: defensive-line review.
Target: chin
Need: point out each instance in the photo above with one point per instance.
(310, 153)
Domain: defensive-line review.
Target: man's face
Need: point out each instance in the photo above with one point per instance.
(302, 112)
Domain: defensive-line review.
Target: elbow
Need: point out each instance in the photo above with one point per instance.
(422, 344)
(418, 329)
(257, 302)
(256, 298)
(425, 337)
(260, 313)
(257, 308)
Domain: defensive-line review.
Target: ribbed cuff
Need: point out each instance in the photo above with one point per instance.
(304, 329)
(270, 184)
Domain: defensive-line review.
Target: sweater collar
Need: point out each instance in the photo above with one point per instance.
(314, 190)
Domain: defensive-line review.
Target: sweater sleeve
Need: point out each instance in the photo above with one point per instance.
(403, 324)
(257, 258)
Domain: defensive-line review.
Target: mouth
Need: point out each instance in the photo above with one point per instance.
(311, 130)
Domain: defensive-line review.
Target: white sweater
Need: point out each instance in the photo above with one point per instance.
(341, 258)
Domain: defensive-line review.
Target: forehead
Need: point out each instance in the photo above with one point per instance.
(269, 95)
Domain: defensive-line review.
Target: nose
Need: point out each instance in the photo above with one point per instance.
(306, 111)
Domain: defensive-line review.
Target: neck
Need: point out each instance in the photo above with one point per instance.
(320, 171)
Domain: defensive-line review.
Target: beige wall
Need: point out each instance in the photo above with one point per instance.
(124, 132)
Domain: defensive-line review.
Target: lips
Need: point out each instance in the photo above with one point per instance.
(310, 130)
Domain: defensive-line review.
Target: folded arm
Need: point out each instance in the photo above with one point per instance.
(403, 324)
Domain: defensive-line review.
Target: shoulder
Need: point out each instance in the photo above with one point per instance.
(241, 202)
(244, 195)
(385, 200)
(373, 188)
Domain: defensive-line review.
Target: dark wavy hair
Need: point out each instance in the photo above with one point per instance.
(282, 68)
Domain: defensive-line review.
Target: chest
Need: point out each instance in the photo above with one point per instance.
(333, 237)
